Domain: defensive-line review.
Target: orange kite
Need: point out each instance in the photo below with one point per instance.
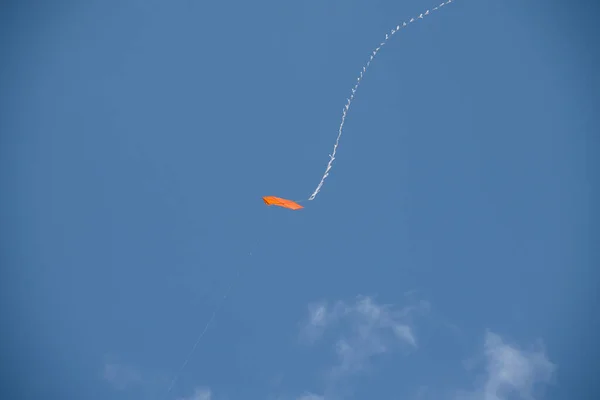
(278, 201)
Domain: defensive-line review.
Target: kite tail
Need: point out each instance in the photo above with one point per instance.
(357, 84)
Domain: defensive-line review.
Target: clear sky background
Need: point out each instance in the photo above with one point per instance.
(448, 256)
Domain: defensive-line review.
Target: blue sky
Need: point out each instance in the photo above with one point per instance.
(448, 255)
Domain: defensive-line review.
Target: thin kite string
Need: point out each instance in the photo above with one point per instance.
(210, 320)
(357, 84)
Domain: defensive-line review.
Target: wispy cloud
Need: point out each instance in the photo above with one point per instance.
(311, 396)
(363, 330)
(511, 371)
(320, 315)
(121, 376)
(138, 382)
(200, 393)
(360, 331)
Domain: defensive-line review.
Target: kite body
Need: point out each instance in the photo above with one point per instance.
(278, 201)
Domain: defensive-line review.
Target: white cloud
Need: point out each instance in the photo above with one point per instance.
(311, 396)
(361, 331)
(319, 316)
(121, 376)
(201, 393)
(511, 371)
